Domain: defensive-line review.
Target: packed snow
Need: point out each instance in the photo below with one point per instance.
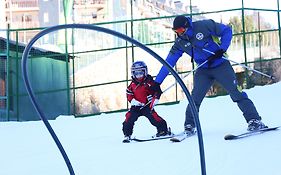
(94, 144)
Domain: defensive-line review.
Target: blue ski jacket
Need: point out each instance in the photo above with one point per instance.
(204, 34)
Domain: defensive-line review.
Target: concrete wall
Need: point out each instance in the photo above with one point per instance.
(49, 9)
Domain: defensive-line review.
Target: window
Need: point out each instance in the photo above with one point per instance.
(46, 17)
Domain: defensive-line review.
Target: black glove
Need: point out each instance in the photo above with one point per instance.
(152, 100)
(156, 89)
(217, 54)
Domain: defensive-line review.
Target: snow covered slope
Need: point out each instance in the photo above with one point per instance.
(94, 144)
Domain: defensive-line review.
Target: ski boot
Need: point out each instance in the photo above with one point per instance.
(189, 129)
(255, 124)
(127, 139)
(164, 133)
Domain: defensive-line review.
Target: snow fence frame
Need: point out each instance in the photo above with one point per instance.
(122, 36)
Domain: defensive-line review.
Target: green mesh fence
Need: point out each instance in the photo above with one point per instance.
(3, 94)
(84, 72)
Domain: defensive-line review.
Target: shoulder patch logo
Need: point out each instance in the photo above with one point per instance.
(199, 36)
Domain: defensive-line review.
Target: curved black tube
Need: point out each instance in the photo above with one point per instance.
(125, 37)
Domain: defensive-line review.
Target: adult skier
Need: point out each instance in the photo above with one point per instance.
(194, 38)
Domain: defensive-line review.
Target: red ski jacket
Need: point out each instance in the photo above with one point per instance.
(140, 90)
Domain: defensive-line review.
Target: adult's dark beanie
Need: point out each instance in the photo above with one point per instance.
(180, 21)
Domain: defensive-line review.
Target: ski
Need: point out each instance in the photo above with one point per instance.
(249, 133)
(180, 137)
(153, 138)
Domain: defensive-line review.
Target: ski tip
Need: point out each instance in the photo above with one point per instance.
(126, 141)
(174, 140)
(229, 137)
(273, 128)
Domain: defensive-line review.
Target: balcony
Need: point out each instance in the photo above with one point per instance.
(22, 5)
(87, 2)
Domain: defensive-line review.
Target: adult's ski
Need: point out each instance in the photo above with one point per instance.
(180, 137)
(249, 133)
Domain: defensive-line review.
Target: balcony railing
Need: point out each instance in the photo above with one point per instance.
(89, 2)
(23, 4)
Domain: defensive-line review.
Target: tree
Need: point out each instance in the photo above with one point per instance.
(236, 23)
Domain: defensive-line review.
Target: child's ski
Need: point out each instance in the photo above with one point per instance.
(152, 138)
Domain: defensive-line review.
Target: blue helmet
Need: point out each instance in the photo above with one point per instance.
(139, 70)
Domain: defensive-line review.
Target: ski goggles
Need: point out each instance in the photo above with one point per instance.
(139, 73)
(180, 31)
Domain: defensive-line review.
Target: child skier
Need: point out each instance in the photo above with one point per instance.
(142, 99)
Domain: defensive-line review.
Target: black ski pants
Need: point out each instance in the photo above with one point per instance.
(224, 75)
(135, 112)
